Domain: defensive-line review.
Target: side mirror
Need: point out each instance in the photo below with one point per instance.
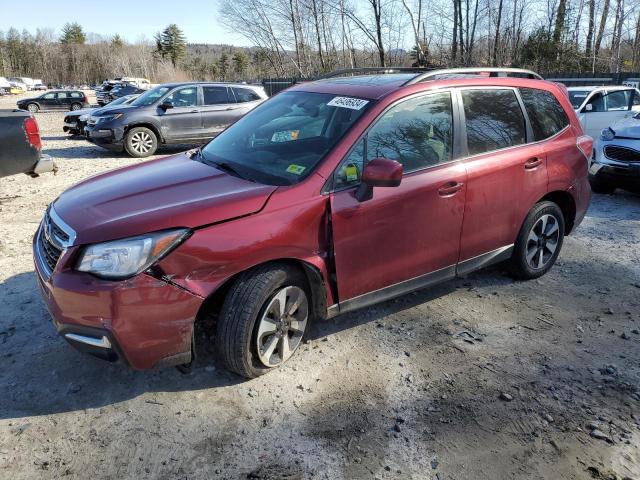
(379, 172)
(166, 105)
(588, 107)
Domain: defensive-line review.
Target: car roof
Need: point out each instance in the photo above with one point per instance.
(599, 87)
(375, 87)
(225, 84)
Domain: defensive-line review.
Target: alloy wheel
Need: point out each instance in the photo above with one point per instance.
(75, 107)
(542, 241)
(33, 108)
(282, 326)
(141, 142)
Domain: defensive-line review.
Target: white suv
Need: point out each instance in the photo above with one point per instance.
(599, 107)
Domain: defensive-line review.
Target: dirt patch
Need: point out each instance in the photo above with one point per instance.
(479, 378)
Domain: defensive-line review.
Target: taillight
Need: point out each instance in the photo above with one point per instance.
(585, 145)
(33, 134)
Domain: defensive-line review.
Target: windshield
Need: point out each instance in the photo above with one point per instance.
(283, 140)
(576, 97)
(118, 101)
(150, 97)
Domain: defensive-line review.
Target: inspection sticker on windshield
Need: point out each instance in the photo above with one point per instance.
(348, 102)
(296, 169)
(285, 136)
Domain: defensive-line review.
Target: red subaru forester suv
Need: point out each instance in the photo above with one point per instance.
(331, 196)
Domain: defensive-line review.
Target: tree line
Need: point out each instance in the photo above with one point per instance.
(303, 38)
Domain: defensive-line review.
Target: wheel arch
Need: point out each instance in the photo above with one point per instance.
(567, 204)
(148, 125)
(212, 304)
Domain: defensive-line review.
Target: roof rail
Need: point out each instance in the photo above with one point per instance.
(353, 71)
(493, 72)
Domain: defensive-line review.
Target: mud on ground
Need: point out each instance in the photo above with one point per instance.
(479, 378)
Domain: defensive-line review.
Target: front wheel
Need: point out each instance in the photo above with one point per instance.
(33, 108)
(539, 241)
(263, 319)
(140, 142)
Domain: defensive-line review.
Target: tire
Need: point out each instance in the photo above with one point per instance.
(600, 186)
(33, 107)
(533, 255)
(251, 330)
(75, 106)
(140, 142)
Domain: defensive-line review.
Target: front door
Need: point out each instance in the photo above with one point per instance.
(48, 101)
(409, 233)
(604, 109)
(182, 122)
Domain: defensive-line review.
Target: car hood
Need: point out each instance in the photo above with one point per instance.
(82, 111)
(170, 192)
(113, 109)
(32, 99)
(627, 127)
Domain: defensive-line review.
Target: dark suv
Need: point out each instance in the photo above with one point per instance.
(56, 100)
(173, 113)
(330, 196)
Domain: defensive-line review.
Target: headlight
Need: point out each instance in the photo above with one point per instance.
(127, 257)
(83, 118)
(108, 118)
(607, 134)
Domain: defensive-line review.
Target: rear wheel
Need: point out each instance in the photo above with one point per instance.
(33, 107)
(76, 106)
(263, 320)
(600, 186)
(539, 241)
(140, 142)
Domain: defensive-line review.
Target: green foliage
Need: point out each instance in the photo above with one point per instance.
(171, 43)
(72, 33)
(223, 66)
(240, 63)
(117, 41)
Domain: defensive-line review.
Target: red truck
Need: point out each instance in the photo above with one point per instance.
(331, 196)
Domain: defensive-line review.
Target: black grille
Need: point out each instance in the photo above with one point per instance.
(50, 254)
(621, 154)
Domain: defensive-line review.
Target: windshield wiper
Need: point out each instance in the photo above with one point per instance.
(227, 167)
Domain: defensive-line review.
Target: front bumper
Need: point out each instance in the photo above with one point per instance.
(143, 321)
(105, 136)
(622, 174)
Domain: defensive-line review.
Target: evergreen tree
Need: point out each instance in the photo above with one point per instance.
(72, 33)
(171, 43)
(240, 63)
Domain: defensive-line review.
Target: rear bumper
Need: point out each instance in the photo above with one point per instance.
(142, 322)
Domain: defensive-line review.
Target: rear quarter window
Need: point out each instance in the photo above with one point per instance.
(546, 115)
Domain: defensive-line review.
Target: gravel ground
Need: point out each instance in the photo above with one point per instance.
(479, 378)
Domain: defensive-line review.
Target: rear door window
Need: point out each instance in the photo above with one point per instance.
(62, 95)
(75, 95)
(245, 94)
(618, 101)
(493, 119)
(545, 113)
(215, 95)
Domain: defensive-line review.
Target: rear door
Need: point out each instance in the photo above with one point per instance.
(184, 120)
(506, 176)
(63, 101)
(219, 109)
(408, 236)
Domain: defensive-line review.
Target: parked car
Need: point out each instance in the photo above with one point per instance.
(20, 145)
(173, 113)
(75, 121)
(328, 197)
(599, 107)
(39, 86)
(616, 158)
(56, 100)
(121, 91)
(20, 82)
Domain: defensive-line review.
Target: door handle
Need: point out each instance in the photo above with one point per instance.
(450, 188)
(532, 163)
